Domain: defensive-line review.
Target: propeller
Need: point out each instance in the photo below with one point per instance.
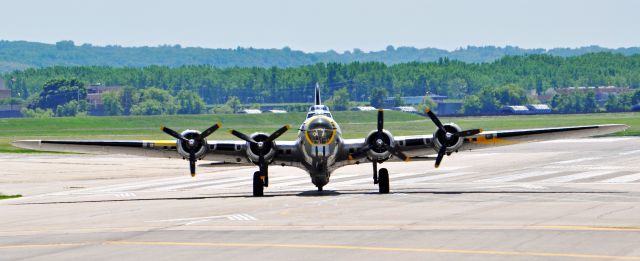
(380, 144)
(193, 143)
(262, 148)
(445, 137)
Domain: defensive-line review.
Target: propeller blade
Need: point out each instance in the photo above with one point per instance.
(399, 154)
(277, 133)
(192, 164)
(435, 119)
(210, 130)
(360, 151)
(173, 133)
(242, 136)
(441, 153)
(467, 133)
(380, 121)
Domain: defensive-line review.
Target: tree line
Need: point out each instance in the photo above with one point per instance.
(482, 87)
(18, 55)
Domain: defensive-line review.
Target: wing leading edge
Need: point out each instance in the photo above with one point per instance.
(421, 145)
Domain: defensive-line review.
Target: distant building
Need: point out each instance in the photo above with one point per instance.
(405, 109)
(635, 107)
(515, 109)
(4, 92)
(601, 92)
(449, 108)
(94, 93)
(275, 111)
(539, 108)
(413, 100)
(250, 111)
(363, 108)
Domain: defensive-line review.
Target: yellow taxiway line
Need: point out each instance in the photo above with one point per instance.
(43, 245)
(373, 248)
(335, 247)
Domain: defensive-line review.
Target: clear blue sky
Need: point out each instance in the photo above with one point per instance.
(320, 25)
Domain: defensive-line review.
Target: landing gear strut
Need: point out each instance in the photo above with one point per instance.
(381, 178)
(258, 184)
(375, 172)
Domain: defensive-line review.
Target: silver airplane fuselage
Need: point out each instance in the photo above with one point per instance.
(319, 140)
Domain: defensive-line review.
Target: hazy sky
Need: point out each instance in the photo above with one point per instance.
(321, 25)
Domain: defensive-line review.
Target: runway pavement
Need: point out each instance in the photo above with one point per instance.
(566, 199)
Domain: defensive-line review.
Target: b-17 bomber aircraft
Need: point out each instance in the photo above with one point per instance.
(319, 148)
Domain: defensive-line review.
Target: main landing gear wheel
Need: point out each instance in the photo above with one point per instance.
(383, 181)
(258, 185)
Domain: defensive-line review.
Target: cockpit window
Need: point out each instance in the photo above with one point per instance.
(320, 131)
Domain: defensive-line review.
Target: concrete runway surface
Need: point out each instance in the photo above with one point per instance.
(558, 200)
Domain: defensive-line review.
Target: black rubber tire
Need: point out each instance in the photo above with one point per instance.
(258, 185)
(383, 181)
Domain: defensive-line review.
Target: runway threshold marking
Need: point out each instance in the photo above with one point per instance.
(370, 248)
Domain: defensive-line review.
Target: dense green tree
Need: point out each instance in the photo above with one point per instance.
(471, 104)
(340, 100)
(234, 103)
(154, 101)
(127, 99)
(72, 108)
(378, 96)
(614, 104)
(112, 103)
(59, 91)
(189, 102)
(510, 94)
(427, 102)
(635, 99)
(37, 113)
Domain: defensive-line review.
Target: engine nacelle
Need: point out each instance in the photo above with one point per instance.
(201, 146)
(379, 153)
(439, 136)
(253, 153)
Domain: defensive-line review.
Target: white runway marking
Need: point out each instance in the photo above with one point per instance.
(518, 176)
(623, 179)
(569, 178)
(242, 217)
(607, 140)
(125, 195)
(576, 160)
(521, 185)
(250, 182)
(201, 183)
(195, 220)
(432, 176)
(629, 152)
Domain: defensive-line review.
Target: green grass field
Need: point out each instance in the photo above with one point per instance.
(8, 197)
(354, 125)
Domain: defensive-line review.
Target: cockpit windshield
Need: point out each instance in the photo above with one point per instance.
(320, 131)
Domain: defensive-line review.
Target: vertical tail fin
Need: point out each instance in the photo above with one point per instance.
(318, 102)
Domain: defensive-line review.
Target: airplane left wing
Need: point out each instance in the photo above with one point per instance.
(218, 150)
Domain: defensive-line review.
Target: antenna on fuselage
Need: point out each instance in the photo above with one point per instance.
(318, 102)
